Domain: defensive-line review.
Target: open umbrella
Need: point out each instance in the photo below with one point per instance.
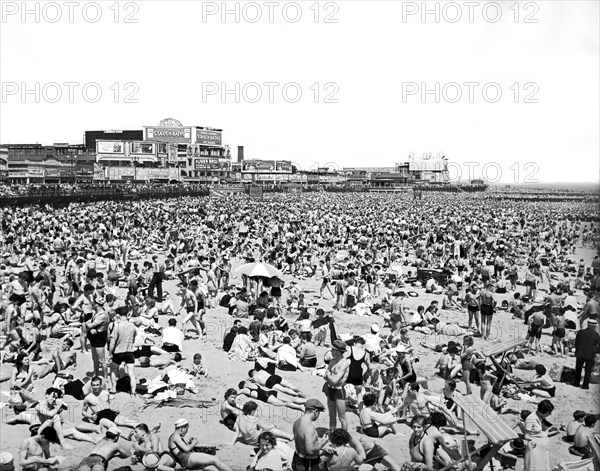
(258, 269)
(342, 254)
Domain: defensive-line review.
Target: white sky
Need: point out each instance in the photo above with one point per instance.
(369, 54)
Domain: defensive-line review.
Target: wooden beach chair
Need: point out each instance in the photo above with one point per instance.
(489, 423)
(501, 351)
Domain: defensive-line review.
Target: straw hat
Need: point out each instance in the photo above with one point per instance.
(150, 460)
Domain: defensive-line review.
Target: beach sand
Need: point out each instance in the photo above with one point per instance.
(224, 373)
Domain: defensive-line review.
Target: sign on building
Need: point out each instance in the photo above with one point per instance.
(208, 137)
(110, 147)
(169, 134)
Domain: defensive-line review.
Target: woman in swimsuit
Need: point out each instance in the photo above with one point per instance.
(374, 424)
(358, 357)
(183, 451)
(437, 420)
(344, 457)
(21, 381)
(420, 446)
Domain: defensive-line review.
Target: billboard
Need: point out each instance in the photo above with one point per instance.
(91, 137)
(142, 148)
(258, 166)
(172, 153)
(208, 137)
(210, 164)
(52, 172)
(110, 147)
(169, 134)
(283, 166)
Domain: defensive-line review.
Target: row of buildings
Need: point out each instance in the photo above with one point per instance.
(172, 152)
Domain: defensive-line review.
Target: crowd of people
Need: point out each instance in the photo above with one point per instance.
(96, 278)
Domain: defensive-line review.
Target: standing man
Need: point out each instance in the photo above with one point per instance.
(553, 303)
(397, 314)
(335, 380)
(488, 306)
(306, 440)
(587, 345)
(122, 335)
(158, 274)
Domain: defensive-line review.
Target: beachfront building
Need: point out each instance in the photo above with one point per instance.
(39, 164)
(168, 152)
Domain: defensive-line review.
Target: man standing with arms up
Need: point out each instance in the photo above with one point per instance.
(307, 441)
(335, 380)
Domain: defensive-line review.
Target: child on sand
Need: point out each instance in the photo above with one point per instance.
(197, 368)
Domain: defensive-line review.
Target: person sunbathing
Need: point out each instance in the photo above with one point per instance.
(276, 382)
(269, 396)
(60, 359)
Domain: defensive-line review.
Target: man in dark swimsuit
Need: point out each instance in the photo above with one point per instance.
(104, 451)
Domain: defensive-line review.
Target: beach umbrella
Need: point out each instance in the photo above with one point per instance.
(257, 269)
(342, 254)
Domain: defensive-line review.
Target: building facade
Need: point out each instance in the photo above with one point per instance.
(38, 164)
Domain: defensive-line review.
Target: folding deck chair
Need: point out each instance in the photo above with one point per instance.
(502, 350)
(491, 425)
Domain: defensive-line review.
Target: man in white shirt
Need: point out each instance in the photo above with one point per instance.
(172, 340)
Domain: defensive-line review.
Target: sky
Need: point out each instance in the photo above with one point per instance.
(508, 90)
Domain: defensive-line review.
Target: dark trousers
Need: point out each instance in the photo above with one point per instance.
(332, 333)
(581, 363)
(155, 282)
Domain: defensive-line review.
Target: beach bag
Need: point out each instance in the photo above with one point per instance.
(123, 384)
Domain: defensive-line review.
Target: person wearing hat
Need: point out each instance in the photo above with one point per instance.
(183, 451)
(335, 380)
(517, 447)
(306, 440)
(587, 346)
